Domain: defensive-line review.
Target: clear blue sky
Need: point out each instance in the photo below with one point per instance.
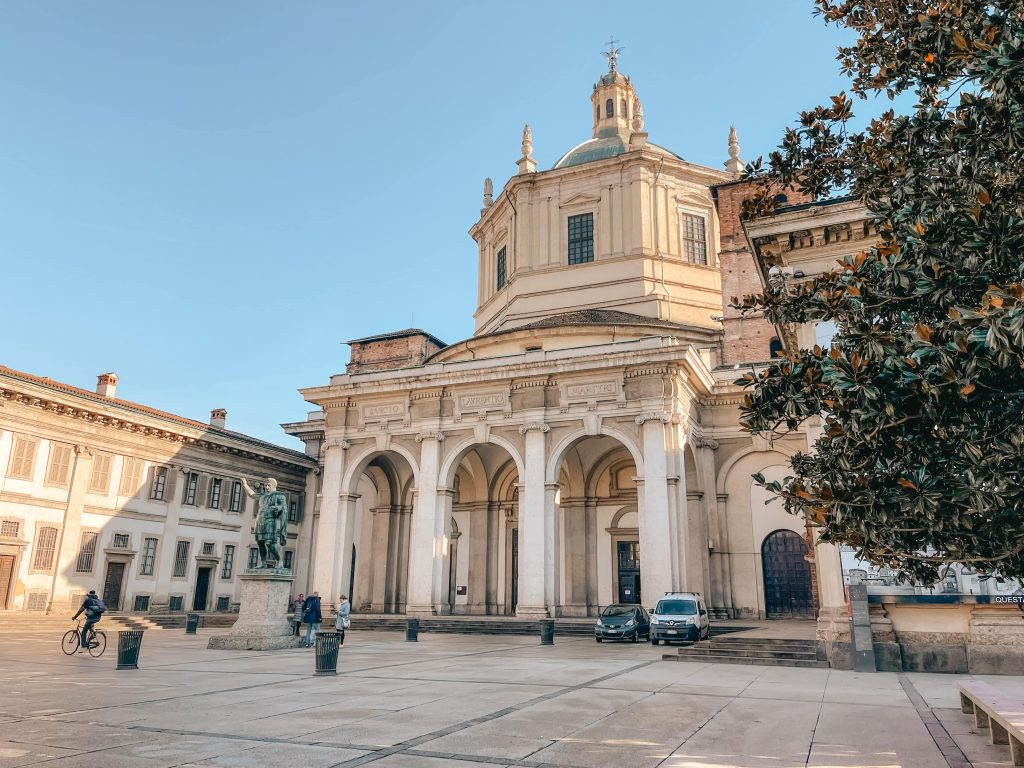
(209, 198)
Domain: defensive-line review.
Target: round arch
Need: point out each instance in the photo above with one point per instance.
(357, 466)
(783, 452)
(560, 449)
(451, 463)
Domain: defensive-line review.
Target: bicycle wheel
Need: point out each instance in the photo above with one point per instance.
(70, 642)
(97, 643)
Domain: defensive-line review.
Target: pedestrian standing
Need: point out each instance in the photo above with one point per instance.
(312, 617)
(342, 621)
(296, 608)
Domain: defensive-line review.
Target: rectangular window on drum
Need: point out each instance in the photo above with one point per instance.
(501, 269)
(695, 244)
(581, 238)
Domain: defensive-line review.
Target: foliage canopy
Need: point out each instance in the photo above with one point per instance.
(921, 395)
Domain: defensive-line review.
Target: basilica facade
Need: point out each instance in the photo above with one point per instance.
(583, 447)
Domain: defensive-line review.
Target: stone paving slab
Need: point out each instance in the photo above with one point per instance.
(465, 701)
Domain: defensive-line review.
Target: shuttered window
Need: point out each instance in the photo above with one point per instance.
(59, 470)
(148, 561)
(23, 457)
(180, 560)
(191, 486)
(236, 497)
(99, 480)
(131, 477)
(229, 561)
(46, 547)
(159, 483)
(86, 552)
(215, 486)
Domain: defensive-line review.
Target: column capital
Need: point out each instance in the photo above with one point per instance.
(349, 496)
(661, 416)
(553, 486)
(705, 442)
(338, 443)
(531, 426)
(438, 435)
(446, 492)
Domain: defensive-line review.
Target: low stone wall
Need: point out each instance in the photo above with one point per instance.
(949, 633)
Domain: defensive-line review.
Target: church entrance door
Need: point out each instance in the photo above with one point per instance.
(6, 577)
(787, 576)
(629, 571)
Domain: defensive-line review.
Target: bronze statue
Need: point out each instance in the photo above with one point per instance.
(271, 515)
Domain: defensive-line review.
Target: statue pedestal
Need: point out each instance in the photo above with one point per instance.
(262, 617)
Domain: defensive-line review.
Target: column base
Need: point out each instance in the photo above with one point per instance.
(833, 635)
(531, 612)
(419, 611)
(262, 616)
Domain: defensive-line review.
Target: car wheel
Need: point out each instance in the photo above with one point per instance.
(654, 641)
(597, 639)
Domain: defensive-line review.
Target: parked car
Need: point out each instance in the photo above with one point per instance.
(680, 616)
(623, 622)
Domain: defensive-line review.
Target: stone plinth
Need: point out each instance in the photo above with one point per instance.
(262, 617)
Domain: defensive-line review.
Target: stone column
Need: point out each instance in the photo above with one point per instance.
(552, 549)
(442, 563)
(478, 552)
(533, 555)
(725, 555)
(590, 520)
(327, 573)
(424, 547)
(704, 449)
(833, 628)
(380, 556)
(655, 533)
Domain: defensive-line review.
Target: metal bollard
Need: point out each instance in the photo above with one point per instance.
(191, 624)
(129, 643)
(412, 630)
(327, 653)
(547, 631)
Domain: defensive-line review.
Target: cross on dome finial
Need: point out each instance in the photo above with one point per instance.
(612, 54)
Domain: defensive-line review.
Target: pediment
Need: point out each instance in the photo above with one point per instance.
(692, 198)
(579, 200)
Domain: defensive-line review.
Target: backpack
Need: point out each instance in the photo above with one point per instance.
(98, 607)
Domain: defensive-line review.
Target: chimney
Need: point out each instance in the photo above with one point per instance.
(218, 418)
(106, 384)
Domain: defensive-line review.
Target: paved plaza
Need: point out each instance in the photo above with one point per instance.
(456, 700)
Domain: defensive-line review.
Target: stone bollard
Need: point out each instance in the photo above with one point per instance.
(191, 624)
(129, 643)
(547, 631)
(327, 653)
(412, 630)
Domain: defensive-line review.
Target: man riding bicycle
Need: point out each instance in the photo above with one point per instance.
(93, 609)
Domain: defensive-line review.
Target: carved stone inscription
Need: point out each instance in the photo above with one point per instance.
(383, 411)
(590, 391)
(479, 402)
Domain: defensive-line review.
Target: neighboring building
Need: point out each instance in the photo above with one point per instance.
(584, 446)
(143, 506)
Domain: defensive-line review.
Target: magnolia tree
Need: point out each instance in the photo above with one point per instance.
(921, 457)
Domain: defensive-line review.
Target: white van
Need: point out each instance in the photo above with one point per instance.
(680, 616)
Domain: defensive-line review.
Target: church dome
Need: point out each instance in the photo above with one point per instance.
(601, 149)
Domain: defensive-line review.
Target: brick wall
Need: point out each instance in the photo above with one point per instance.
(385, 353)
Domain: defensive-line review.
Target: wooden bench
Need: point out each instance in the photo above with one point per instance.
(1002, 715)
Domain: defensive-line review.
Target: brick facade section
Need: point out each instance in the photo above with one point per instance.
(389, 351)
(747, 339)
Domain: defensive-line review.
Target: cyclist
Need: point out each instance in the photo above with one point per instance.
(93, 609)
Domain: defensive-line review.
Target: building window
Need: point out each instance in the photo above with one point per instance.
(9, 529)
(597, 113)
(208, 548)
(148, 561)
(190, 489)
(622, 108)
(288, 556)
(141, 604)
(235, 504)
(46, 546)
(180, 560)
(60, 465)
(501, 268)
(229, 561)
(215, 493)
(23, 458)
(86, 552)
(254, 557)
(37, 601)
(581, 238)
(223, 603)
(775, 347)
(159, 483)
(175, 602)
(293, 512)
(695, 245)
(609, 108)
(121, 541)
(99, 480)
(131, 477)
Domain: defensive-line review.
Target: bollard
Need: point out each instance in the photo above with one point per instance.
(129, 643)
(327, 653)
(547, 632)
(191, 624)
(412, 630)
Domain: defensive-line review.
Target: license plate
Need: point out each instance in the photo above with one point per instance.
(673, 632)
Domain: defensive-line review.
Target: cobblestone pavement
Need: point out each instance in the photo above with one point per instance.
(466, 701)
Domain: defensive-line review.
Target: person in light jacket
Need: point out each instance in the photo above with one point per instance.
(342, 621)
(311, 617)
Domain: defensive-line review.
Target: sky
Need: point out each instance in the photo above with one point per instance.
(210, 198)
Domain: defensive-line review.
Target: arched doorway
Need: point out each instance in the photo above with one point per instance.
(787, 576)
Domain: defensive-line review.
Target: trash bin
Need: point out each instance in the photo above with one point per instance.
(129, 643)
(547, 631)
(412, 630)
(327, 653)
(191, 624)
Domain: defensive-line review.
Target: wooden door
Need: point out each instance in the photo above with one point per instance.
(202, 589)
(787, 576)
(6, 580)
(112, 586)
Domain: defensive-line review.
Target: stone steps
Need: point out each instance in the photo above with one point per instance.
(29, 622)
(774, 652)
(476, 626)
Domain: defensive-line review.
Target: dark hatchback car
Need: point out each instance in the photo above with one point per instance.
(623, 622)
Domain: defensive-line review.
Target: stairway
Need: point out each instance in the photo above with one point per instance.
(22, 621)
(769, 652)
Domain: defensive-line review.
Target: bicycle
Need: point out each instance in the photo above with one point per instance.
(73, 639)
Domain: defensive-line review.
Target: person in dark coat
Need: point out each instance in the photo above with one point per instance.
(312, 617)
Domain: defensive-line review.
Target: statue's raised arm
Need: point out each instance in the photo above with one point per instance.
(249, 490)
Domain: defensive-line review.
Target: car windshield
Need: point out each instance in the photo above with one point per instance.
(618, 610)
(676, 608)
